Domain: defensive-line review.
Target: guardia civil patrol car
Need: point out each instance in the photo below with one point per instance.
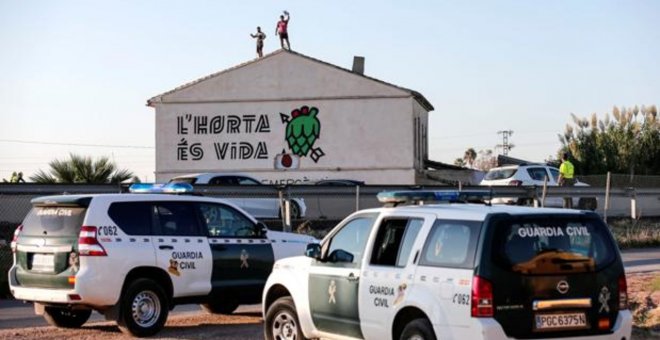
(453, 271)
(133, 257)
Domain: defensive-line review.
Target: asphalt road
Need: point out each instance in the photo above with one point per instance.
(16, 314)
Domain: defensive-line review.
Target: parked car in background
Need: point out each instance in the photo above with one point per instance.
(533, 174)
(257, 207)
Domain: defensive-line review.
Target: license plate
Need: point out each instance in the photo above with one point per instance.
(561, 321)
(43, 262)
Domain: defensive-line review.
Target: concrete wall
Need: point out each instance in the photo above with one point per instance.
(366, 128)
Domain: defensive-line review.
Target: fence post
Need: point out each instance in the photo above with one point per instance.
(607, 197)
(633, 204)
(545, 191)
(357, 197)
(284, 210)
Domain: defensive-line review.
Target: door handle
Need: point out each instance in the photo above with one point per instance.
(353, 278)
(166, 247)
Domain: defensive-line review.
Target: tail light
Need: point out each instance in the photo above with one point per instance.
(623, 293)
(88, 244)
(515, 183)
(482, 298)
(14, 240)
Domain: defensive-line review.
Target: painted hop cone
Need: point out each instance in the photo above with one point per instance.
(303, 130)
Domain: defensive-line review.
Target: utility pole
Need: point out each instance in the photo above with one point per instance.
(505, 141)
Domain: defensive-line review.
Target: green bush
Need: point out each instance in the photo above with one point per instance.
(636, 233)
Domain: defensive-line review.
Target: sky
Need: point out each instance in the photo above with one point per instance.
(75, 75)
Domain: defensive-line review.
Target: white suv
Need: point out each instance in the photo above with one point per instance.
(453, 271)
(133, 257)
(533, 175)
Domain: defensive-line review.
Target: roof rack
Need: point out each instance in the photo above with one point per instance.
(163, 188)
(395, 198)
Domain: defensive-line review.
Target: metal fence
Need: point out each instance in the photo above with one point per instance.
(328, 205)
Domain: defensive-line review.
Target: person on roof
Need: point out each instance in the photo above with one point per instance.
(281, 30)
(260, 36)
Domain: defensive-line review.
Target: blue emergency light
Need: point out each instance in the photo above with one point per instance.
(166, 188)
(420, 196)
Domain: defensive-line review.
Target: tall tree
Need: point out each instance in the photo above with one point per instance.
(82, 169)
(628, 143)
(470, 156)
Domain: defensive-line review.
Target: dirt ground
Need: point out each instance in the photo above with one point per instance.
(643, 291)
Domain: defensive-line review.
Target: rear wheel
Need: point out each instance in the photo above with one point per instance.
(294, 209)
(282, 321)
(418, 329)
(220, 307)
(588, 203)
(62, 317)
(144, 309)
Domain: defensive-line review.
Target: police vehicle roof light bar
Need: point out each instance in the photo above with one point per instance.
(168, 188)
(421, 196)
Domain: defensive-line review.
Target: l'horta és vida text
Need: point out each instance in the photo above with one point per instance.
(189, 126)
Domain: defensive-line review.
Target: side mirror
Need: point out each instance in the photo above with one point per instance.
(314, 251)
(340, 255)
(262, 229)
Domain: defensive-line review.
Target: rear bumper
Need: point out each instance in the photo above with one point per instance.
(488, 328)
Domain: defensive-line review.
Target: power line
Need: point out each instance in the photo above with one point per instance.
(76, 144)
(505, 141)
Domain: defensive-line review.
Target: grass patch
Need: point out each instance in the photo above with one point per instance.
(654, 285)
(636, 233)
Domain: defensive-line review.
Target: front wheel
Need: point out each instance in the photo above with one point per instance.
(418, 329)
(144, 309)
(62, 317)
(282, 321)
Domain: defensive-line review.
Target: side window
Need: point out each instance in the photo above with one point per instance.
(394, 241)
(451, 244)
(223, 221)
(177, 218)
(246, 181)
(555, 174)
(134, 218)
(347, 245)
(537, 174)
(223, 180)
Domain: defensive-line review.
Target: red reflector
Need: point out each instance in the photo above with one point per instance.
(603, 323)
(482, 298)
(515, 183)
(74, 297)
(72, 280)
(623, 292)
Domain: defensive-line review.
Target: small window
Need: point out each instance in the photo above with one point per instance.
(189, 180)
(451, 244)
(347, 245)
(134, 218)
(177, 219)
(223, 180)
(223, 221)
(394, 241)
(537, 174)
(555, 174)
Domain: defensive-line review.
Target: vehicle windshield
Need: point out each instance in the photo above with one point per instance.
(553, 246)
(495, 174)
(53, 221)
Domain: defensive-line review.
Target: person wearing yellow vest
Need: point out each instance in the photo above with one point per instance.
(566, 178)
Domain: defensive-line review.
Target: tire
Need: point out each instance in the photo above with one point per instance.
(66, 318)
(220, 307)
(588, 203)
(294, 210)
(144, 309)
(418, 329)
(282, 321)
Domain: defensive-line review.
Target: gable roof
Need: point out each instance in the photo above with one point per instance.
(418, 96)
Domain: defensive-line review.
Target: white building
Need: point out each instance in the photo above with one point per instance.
(290, 118)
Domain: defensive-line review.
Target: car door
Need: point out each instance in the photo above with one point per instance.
(181, 248)
(389, 270)
(334, 279)
(242, 255)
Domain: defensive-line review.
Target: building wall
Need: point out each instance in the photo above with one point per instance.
(366, 139)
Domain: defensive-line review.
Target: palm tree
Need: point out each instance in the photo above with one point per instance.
(470, 156)
(82, 169)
